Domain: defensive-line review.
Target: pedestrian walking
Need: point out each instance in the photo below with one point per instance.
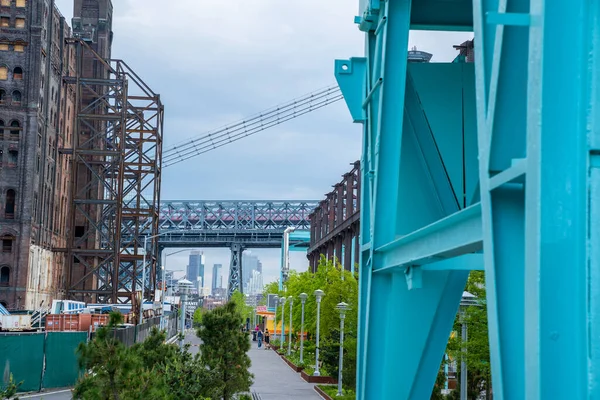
(259, 335)
(267, 339)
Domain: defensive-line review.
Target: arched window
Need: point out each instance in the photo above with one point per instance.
(2, 96)
(9, 210)
(1, 129)
(16, 98)
(4, 304)
(3, 72)
(15, 130)
(7, 243)
(18, 73)
(4, 276)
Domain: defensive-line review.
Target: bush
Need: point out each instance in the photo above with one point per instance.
(148, 370)
(9, 390)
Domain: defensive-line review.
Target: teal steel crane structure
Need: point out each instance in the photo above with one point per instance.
(492, 166)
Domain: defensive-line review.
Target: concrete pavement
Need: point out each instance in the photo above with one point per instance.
(56, 395)
(275, 380)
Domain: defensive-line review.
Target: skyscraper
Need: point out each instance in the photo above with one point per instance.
(216, 273)
(195, 269)
(251, 273)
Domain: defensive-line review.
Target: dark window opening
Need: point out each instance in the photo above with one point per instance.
(18, 73)
(15, 130)
(79, 230)
(9, 211)
(16, 98)
(7, 243)
(13, 156)
(2, 96)
(4, 276)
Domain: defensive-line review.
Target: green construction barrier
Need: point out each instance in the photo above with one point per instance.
(62, 368)
(22, 355)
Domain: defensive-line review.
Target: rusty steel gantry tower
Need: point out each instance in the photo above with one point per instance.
(115, 171)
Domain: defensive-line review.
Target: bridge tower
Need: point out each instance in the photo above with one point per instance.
(235, 270)
(493, 166)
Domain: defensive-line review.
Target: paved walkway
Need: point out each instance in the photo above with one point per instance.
(275, 380)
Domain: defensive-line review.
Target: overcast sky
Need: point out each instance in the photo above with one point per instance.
(216, 62)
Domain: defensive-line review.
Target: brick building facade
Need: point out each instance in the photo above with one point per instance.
(37, 114)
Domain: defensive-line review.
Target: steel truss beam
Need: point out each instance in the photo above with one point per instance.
(235, 215)
(520, 134)
(115, 185)
(334, 223)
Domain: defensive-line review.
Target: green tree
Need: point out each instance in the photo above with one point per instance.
(270, 288)
(197, 319)
(339, 286)
(224, 349)
(477, 354)
(114, 372)
(239, 301)
(187, 378)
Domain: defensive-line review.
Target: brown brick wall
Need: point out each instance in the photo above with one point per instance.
(40, 176)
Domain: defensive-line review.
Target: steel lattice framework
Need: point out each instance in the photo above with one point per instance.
(116, 151)
(235, 224)
(488, 166)
(236, 216)
(334, 224)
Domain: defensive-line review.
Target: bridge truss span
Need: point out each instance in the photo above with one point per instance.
(235, 216)
(236, 224)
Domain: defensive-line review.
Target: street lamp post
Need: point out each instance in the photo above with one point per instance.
(285, 267)
(163, 320)
(342, 307)
(467, 300)
(141, 318)
(184, 288)
(282, 302)
(291, 300)
(303, 297)
(318, 294)
(276, 299)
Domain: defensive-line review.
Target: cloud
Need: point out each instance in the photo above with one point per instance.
(216, 62)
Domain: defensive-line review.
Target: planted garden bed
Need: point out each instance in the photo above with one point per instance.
(317, 379)
(330, 393)
(291, 364)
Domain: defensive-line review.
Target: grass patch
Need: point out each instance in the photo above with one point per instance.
(331, 391)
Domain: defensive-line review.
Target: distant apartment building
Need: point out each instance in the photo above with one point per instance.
(37, 114)
(195, 269)
(251, 273)
(255, 284)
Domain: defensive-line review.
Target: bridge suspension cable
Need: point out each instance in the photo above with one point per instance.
(249, 126)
